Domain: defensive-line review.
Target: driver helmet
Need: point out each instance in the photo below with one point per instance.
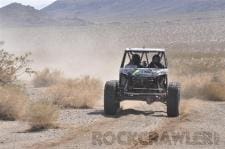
(136, 59)
(156, 59)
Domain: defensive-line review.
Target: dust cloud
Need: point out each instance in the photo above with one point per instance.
(97, 50)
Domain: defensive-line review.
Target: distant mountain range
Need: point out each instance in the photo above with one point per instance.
(17, 14)
(81, 12)
(113, 9)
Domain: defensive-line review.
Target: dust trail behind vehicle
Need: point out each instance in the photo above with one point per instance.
(97, 49)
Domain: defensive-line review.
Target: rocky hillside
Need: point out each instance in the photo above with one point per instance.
(112, 9)
(17, 14)
(74, 12)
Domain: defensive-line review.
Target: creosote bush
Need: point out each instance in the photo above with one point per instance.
(83, 92)
(12, 67)
(46, 78)
(13, 99)
(13, 102)
(200, 73)
(42, 115)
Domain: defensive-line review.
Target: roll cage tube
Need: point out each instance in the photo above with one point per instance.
(145, 53)
(123, 60)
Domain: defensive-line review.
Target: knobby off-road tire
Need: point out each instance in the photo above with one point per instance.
(111, 103)
(173, 100)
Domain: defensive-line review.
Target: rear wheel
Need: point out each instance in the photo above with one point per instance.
(173, 100)
(111, 102)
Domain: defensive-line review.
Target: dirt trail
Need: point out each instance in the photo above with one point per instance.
(201, 125)
(139, 125)
(135, 117)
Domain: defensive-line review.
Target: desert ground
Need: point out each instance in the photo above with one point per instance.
(78, 128)
(196, 59)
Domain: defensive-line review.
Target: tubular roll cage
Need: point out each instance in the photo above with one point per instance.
(143, 53)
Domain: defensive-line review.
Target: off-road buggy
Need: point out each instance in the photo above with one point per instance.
(142, 83)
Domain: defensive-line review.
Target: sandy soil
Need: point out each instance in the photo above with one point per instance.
(137, 125)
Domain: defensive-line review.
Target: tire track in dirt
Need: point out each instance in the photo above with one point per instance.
(132, 118)
(190, 122)
(71, 134)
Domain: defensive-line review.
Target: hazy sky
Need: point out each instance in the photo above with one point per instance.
(35, 3)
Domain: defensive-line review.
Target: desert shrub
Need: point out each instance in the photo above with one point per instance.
(13, 102)
(200, 74)
(193, 85)
(83, 92)
(214, 91)
(42, 115)
(203, 86)
(46, 78)
(12, 97)
(11, 67)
